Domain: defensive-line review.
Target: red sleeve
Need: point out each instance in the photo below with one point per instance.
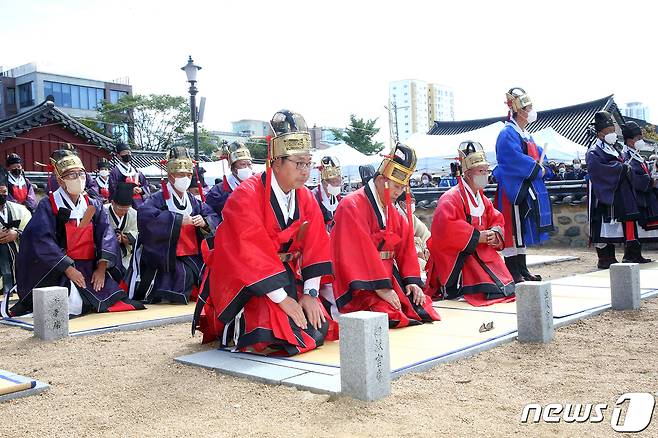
(316, 258)
(405, 254)
(495, 221)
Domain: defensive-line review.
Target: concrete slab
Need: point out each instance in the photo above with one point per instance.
(538, 260)
(315, 382)
(39, 388)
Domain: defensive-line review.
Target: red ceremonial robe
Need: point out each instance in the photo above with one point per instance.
(359, 240)
(245, 264)
(459, 265)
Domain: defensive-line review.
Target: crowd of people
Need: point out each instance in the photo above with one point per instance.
(271, 264)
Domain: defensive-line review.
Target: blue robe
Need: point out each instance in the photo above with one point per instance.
(117, 177)
(42, 259)
(156, 272)
(520, 181)
(611, 197)
(217, 197)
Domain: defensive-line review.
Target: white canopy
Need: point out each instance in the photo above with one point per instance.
(350, 159)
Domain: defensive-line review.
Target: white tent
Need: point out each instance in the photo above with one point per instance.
(216, 169)
(350, 159)
(558, 147)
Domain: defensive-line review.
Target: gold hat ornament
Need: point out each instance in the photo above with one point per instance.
(399, 165)
(517, 99)
(179, 160)
(471, 154)
(237, 151)
(329, 168)
(64, 160)
(291, 136)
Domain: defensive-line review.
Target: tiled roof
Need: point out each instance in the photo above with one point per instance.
(47, 113)
(143, 159)
(570, 121)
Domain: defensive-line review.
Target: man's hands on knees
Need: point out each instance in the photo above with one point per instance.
(313, 310)
(294, 310)
(417, 295)
(390, 297)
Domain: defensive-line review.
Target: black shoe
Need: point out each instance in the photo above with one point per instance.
(513, 268)
(523, 269)
(633, 253)
(606, 256)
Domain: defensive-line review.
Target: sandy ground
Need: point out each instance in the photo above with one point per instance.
(126, 384)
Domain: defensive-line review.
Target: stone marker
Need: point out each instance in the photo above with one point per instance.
(534, 311)
(625, 286)
(51, 313)
(365, 370)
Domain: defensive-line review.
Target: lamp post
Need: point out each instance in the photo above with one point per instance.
(191, 70)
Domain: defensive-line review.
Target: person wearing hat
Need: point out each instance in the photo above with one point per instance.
(239, 160)
(91, 188)
(373, 250)
(171, 225)
(13, 219)
(124, 171)
(20, 189)
(522, 197)
(467, 233)
(123, 221)
(271, 252)
(103, 179)
(69, 242)
(644, 188)
(327, 193)
(612, 207)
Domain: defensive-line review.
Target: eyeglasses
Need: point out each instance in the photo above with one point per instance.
(301, 165)
(75, 175)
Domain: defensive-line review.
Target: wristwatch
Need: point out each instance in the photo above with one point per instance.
(312, 292)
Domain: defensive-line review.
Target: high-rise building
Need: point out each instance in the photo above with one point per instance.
(416, 104)
(637, 110)
(255, 128)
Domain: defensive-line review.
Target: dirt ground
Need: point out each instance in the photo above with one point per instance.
(127, 384)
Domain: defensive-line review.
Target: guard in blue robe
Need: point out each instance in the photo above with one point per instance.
(239, 159)
(613, 209)
(522, 196)
(167, 262)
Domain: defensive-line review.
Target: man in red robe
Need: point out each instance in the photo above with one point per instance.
(467, 231)
(270, 253)
(373, 249)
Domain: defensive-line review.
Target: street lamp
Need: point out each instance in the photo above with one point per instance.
(191, 70)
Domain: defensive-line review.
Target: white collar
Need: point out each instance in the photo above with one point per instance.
(286, 200)
(103, 183)
(128, 170)
(122, 220)
(522, 132)
(4, 210)
(63, 200)
(233, 182)
(380, 204)
(16, 181)
(477, 209)
(605, 147)
(184, 201)
(635, 155)
(330, 202)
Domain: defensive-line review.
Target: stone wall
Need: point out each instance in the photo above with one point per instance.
(570, 221)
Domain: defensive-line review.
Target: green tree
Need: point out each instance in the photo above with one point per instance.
(156, 121)
(258, 148)
(359, 134)
(208, 143)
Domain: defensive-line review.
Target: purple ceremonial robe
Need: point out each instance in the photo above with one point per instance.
(30, 202)
(610, 193)
(42, 259)
(116, 177)
(90, 186)
(156, 272)
(217, 197)
(645, 193)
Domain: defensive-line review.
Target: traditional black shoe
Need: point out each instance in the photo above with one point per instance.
(606, 256)
(523, 269)
(513, 268)
(633, 253)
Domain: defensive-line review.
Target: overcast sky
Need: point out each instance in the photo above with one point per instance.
(327, 59)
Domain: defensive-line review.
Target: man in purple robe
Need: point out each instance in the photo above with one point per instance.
(239, 159)
(91, 188)
(68, 242)
(21, 190)
(124, 171)
(171, 225)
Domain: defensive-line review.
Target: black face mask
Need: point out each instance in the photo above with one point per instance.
(126, 158)
(16, 172)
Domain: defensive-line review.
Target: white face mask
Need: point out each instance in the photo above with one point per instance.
(104, 173)
(576, 166)
(610, 138)
(639, 144)
(245, 173)
(333, 190)
(75, 187)
(532, 116)
(182, 184)
(481, 181)
(562, 170)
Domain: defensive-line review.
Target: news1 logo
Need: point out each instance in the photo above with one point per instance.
(639, 408)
